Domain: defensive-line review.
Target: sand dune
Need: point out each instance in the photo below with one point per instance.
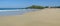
(45, 17)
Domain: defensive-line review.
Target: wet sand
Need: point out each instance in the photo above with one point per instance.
(45, 17)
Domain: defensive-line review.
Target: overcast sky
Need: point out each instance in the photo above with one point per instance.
(25, 3)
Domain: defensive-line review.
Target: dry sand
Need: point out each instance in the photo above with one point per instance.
(45, 17)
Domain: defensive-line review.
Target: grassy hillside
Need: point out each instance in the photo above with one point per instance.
(35, 7)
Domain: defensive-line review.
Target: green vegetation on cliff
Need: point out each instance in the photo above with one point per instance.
(35, 7)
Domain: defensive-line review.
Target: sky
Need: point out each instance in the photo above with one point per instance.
(26, 3)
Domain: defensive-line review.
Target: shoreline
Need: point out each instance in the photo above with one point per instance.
(45, 17)
(18, 12)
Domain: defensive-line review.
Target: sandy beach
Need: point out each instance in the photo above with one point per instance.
(45, 17)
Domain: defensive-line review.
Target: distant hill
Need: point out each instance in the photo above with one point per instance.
(35, 7)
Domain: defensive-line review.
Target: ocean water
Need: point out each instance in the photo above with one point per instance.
(14, 11)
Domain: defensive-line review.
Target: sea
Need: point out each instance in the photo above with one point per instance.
(14, 11)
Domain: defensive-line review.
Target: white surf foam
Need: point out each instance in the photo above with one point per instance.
(7, 10)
